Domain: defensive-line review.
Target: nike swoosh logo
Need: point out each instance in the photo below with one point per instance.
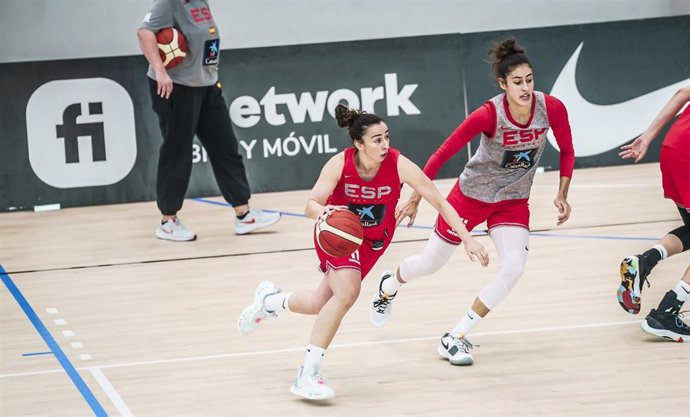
(599, 128)
(686, 290)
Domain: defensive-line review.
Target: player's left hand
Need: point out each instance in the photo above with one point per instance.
(564, 209)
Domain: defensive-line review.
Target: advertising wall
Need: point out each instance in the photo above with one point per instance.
(82, 131)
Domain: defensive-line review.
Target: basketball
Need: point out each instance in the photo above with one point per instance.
(340, 234)
(172, 46)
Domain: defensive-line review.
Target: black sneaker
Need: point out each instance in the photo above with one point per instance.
(667, 324)
(634, 273)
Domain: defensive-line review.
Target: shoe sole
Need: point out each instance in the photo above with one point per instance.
(253, 227)
(172, 239)
(666, 334)
(298, 392)
(444, 354)
(628, 300)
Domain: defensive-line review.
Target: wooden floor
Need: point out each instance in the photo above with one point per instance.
(99, 317)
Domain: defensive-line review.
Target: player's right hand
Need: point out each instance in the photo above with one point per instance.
(476, 250)
(328, 209)
(165, 84)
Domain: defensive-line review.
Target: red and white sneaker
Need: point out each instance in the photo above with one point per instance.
(255, 313)
(255, 219)
(174, 230)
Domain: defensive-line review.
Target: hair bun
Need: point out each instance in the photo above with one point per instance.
(505, 48)
(345, 115)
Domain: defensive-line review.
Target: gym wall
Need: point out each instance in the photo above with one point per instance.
(79, 129)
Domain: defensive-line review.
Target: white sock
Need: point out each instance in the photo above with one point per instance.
(682, 291)
(312, 362)
(662, 250)
(390, 286)
(276, 302)
(467, 323)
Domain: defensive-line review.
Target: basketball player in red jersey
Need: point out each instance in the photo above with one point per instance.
(494, 187)
(664, 321)
(365, 179)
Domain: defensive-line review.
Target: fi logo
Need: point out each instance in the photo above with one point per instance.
(81, 133)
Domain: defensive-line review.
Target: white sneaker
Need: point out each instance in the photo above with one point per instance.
(174, 230)
(455, 349)
(380, 307)
(311, 387)
(252, 316)
(255, 219)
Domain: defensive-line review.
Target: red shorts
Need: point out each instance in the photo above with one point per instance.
(474, 212)
(363, 259)
(674, 176)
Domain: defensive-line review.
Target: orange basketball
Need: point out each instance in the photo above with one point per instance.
(340, 234)
(172, 46)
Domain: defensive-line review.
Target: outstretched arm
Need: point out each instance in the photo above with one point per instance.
(638, 148)
(412, 175)
(482, 120)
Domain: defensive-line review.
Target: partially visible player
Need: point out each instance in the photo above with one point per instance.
(366, 179)
(494, 187)
(664, 321)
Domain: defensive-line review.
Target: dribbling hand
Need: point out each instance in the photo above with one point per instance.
(328, 209)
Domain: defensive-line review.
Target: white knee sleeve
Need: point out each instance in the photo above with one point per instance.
(511, 244)
(436, 253)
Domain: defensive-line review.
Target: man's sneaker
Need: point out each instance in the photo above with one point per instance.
(255, 313)
(255, 219)
(311, 387)
(634, 273)
(380, 308)
(668, 325)
(455, 349)
(173, 229)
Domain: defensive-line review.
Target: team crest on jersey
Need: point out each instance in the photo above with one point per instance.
(523, 159)
(211, 52)
(369, 214)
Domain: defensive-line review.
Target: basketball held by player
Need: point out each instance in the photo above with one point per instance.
(365, 179)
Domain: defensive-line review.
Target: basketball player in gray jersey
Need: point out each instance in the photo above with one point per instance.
(494, 187)
(188, 100)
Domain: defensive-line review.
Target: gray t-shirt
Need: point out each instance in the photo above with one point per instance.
(503, 167)
(193, 18)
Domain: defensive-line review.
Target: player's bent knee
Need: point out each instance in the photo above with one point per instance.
(683, 234)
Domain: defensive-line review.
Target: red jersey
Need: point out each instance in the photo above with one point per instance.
(373, 201)
(678, 137)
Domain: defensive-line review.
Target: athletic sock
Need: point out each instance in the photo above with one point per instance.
(467, 323)
(312, 361)
(275, 302)
(682, 291)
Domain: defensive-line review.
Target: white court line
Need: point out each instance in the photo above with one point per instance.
(112, 394)
(336, 346)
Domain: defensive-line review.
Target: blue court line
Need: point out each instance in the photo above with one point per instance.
(474, 232)
(37, 353)
(52, 344)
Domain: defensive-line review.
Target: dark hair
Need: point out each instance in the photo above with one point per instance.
(505, 56)
(356, 121)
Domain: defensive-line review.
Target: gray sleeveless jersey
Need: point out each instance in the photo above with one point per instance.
(503, 167)
(193, 18)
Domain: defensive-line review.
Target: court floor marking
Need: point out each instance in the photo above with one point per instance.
(52, 344)
(111, 392)
(336, 346)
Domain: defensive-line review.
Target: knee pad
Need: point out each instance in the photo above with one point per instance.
(682, 233)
